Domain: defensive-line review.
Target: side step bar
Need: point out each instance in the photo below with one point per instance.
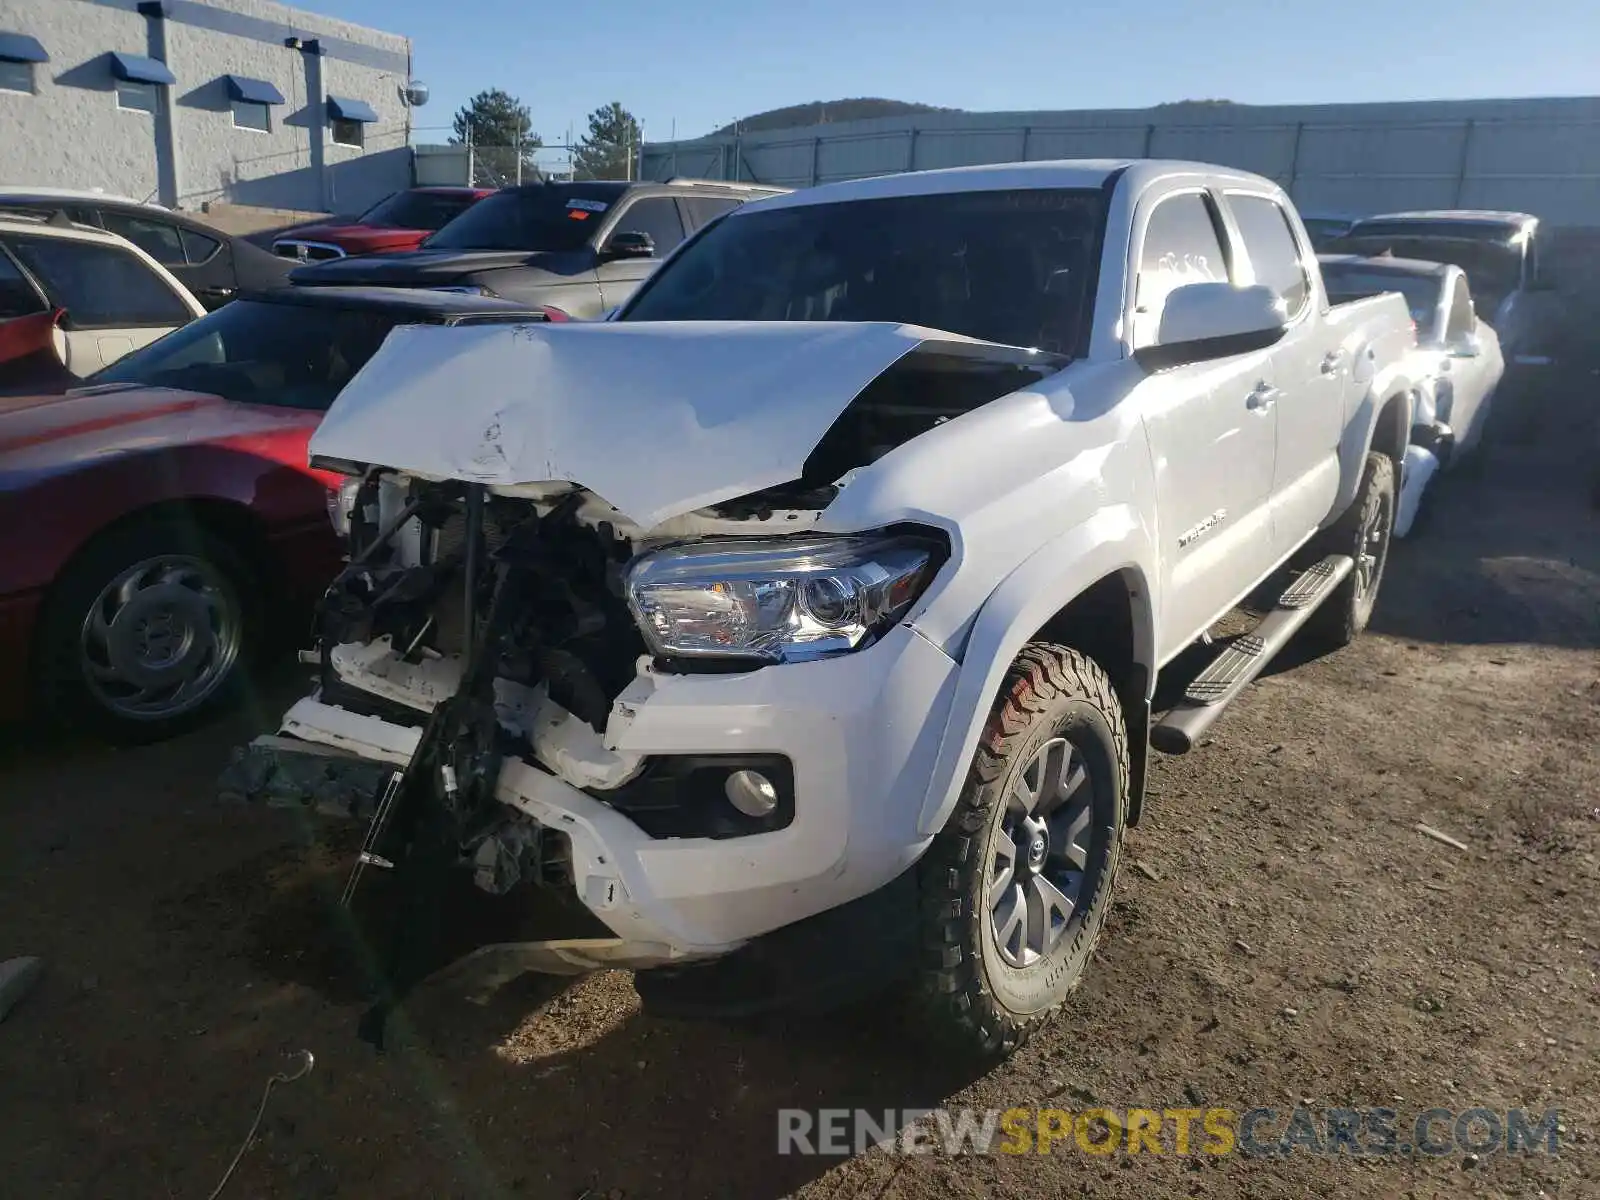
(1232, 670)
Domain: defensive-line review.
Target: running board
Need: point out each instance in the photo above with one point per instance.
(1232, 670)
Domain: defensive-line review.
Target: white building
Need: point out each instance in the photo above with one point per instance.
(186, 101)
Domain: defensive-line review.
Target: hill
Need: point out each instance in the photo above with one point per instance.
(820, 112)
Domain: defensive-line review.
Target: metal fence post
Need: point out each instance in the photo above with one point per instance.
(1027, 132)
(516, 149)
(1149, 139)
(816, 158)
(1466, 150)
(911, 149)
(1294, 158)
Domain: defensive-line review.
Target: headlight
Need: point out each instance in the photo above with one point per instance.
(778, 600)
(340, 503)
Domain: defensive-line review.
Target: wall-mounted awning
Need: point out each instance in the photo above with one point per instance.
(19, 47)
(136, 68)
(342, 109)
(256, 91)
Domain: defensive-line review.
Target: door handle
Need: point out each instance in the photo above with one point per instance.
(1331, 361)
(1263, 398)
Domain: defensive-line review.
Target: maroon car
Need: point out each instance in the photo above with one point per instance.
(155, 524)
(397, 223)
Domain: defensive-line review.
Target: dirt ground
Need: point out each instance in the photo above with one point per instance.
(1281, 934)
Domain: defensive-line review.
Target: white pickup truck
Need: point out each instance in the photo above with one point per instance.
(799, 627)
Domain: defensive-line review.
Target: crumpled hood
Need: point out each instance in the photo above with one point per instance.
(656, 418)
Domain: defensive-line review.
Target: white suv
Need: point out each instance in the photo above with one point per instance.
(92, 295)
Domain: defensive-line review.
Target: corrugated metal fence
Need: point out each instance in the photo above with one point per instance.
(1539, 156)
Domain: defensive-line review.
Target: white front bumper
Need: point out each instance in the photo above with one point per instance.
(862, 732)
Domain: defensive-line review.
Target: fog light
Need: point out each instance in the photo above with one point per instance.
(752, 793)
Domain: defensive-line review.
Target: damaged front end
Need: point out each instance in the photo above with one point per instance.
(492, 641)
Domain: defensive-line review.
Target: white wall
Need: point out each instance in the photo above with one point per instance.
(1540, 156)
(71, 133)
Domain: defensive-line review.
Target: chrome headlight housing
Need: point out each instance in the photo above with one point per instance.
(780, 599)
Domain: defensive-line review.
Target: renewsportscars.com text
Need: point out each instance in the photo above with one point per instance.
(1261, 1132)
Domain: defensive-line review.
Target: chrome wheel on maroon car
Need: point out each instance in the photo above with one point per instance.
(161, 637)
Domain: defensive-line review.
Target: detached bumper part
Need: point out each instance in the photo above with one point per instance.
(288, 773)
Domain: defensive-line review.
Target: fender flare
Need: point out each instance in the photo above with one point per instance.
(1113, 540)
(1360, 429)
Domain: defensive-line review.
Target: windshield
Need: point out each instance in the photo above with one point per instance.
(254, 352)
(1347, 283)
(1012, 266)
(417, 210)
(533, 218)
(1494, 270)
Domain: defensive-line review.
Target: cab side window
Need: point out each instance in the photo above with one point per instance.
(657, 216)
(1181, 246)
(1274, 255)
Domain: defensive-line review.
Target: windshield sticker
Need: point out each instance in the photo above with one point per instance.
(594, 206)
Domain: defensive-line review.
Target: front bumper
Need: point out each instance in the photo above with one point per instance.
(861, 730)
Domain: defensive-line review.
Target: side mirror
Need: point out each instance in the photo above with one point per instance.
(629, 243)
(1203, 321)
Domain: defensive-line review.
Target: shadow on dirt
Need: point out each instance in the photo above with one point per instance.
(1508, 546)
(583, 1091)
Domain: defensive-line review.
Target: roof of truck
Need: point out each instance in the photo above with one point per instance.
(1044, 173)
(1483, 215)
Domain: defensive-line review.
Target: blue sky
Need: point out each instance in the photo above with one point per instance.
(701, 63)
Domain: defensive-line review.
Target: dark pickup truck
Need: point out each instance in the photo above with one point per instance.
(581, 248)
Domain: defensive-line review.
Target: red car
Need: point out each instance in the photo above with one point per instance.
(157, 524)
(398, 223)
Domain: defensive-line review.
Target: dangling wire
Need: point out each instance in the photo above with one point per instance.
(307, 1061)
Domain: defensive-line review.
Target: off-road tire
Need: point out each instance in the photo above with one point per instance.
(1343, 615)
(59, 681)
(970, 994)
